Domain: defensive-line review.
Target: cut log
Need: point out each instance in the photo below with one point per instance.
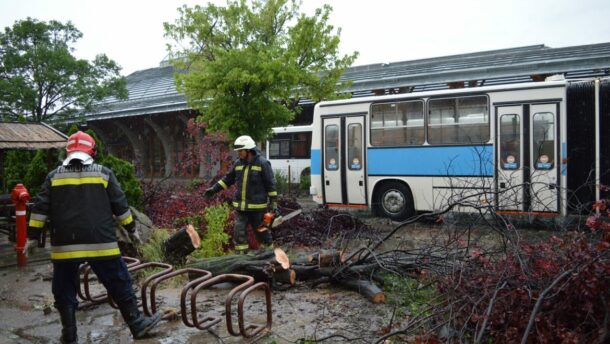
(181, 244)
(307, 272)
(365, 288)
(281, 258)
(285, 277)
(326, 258)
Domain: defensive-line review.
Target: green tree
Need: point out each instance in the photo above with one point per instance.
(249, 63)
(41, 79)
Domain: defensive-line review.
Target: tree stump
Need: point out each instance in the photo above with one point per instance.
(180, 244)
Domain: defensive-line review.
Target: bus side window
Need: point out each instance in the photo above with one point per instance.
(544, 140)
(331, 150)
(462, 120)
(354, 146)
(397, 124)
(510, 142)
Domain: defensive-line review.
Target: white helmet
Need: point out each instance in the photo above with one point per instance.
(244, 142)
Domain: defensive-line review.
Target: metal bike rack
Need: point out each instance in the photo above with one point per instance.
(85, 294)
(204, 275)
(188, 293)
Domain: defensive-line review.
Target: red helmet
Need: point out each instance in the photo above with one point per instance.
(81, 142)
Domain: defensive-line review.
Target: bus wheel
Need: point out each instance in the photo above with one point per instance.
(394, 200)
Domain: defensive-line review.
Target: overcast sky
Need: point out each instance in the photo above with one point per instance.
(131, 31)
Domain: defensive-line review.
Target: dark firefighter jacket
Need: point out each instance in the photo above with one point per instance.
(79, 201)
(255, 182)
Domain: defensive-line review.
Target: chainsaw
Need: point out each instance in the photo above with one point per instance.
(270, 220)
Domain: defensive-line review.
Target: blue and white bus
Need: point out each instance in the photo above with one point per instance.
(533, 148)
(289, 151)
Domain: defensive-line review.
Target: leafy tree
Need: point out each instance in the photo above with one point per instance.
(250, 62)
(41, 79)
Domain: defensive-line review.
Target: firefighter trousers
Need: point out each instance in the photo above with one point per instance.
(112, 273)
(254, 219)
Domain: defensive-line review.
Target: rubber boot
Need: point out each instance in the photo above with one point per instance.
(67, 314)
(139, 325)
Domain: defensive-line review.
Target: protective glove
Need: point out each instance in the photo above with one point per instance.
(135, 237)
(273, 207)
(209, 192)
(130, 227)
(30, 247)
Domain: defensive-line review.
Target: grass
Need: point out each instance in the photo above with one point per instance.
(408, 295)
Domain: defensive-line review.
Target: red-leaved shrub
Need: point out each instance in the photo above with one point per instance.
(570, 276)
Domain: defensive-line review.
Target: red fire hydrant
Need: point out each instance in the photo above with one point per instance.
(20, 197)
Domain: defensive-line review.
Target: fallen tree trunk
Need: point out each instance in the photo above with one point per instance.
(312, 268)
(267, 266)
(365, 288)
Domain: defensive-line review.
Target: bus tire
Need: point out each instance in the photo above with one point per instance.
(395, 201)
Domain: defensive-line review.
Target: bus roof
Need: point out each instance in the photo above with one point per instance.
(529, 85)
(292, 129)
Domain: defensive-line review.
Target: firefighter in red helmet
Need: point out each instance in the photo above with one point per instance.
(82, 200)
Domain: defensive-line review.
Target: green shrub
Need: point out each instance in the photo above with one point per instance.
(305, 181)
(126, 175)
(281, 182)
(16, 164)
(194, 184)
(215, 238)
(38, 168)
(153, 250)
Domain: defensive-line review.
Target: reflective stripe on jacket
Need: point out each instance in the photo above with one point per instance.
(80, 202)
(255, 183)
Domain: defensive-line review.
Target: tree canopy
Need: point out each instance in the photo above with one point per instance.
(41, 80)
(246, 65)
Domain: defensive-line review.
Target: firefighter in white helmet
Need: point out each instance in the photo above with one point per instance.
(255, 191)
(82, 200)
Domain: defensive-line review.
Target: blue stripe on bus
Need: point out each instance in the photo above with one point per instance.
(315, 162)
(432, 161)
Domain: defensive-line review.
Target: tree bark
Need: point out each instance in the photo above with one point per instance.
(181, 244)
(365, 288)
(266, 267)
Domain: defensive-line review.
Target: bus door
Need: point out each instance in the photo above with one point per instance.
(509, 171)
(343, 158)
(526, 154)
(544, 195)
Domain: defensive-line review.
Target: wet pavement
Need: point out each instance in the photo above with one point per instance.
(27, 314)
